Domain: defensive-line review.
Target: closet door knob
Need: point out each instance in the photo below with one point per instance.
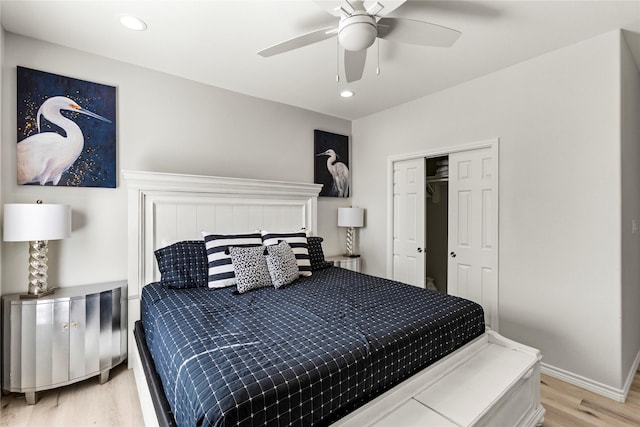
(420, 250)
(453, 254)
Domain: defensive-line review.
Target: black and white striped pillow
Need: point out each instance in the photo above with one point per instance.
(220, 266)
(298, 243)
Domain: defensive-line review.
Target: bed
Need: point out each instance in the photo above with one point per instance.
(299, 355)
(335, 346)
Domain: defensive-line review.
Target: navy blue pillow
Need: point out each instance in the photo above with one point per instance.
(316, 255)
(183, 265)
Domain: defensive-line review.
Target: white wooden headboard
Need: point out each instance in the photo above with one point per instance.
(165, 208)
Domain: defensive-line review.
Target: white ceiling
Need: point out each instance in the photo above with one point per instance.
(215, 42)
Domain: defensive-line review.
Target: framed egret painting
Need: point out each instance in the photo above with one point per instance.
(332, 164)
(66, 131)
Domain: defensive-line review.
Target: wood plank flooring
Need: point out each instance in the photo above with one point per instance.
(568, 405)
(86, 403)
(115, 403)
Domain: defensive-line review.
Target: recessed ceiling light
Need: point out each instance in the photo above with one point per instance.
(347, 93)
(133, 23)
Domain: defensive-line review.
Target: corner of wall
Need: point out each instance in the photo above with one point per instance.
(630, 200)
(1, 85)
(632, 40)
(1, 188)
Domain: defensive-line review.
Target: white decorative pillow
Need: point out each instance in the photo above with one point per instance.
(282, 264)
(250, 267)
(298, 243)
(221, 272)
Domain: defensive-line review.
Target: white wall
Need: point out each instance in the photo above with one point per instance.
(630, 139)
(557, 117)
(165, 124)
(1, 87)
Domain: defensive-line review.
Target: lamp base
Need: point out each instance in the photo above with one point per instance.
(38, 257)
(38, 295)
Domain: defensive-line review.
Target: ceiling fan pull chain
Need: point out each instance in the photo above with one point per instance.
(378, 67)
(337, 60)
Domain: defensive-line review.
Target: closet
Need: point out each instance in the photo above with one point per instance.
(437, 220)
(443, 228)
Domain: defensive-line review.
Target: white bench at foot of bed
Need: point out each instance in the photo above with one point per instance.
(492, 381)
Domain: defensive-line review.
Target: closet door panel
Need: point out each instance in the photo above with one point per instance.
(473, 229)
(408, 222)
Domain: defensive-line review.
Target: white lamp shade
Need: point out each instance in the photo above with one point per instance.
(25, 222)
(350, 217)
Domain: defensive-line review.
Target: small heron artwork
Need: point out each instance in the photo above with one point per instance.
(62, 139)
(332, 164)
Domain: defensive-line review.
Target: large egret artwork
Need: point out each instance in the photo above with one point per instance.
(66, 131)
(332, 164)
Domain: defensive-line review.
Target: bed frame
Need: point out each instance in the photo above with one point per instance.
(489, 381)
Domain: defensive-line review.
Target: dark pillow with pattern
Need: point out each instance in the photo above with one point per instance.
(316, 255)
(183, 264)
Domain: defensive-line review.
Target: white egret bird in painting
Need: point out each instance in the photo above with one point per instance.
(45, 156)
(339, 172)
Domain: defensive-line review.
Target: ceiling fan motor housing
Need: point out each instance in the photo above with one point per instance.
(358, 31)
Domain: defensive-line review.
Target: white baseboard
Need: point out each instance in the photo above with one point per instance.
(619, 395)
(631, 375)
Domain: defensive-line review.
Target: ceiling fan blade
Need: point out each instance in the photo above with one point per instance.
(299, 41)
(354, 64)
(416, 32)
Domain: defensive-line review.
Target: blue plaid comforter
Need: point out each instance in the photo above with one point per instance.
(300, 355)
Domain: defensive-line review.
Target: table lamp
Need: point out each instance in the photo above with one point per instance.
(36, 223)
(350, 217)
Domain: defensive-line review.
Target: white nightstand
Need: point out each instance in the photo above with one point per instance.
(343, 261)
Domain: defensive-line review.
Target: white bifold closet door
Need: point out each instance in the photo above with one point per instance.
(473, 226)
(473, 230)
(409, 221)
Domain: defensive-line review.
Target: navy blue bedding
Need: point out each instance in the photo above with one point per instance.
(299, 355)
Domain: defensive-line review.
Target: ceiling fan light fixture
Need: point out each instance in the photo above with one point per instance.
(133, 23)
(357, 32)
(347, 93)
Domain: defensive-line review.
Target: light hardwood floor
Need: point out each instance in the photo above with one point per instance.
(115, 403)
(568, 405)
(86, 403)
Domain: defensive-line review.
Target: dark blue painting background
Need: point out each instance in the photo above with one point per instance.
(96, 166)
(322, 142)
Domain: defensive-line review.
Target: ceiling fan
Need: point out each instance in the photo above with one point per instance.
(361, 22)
